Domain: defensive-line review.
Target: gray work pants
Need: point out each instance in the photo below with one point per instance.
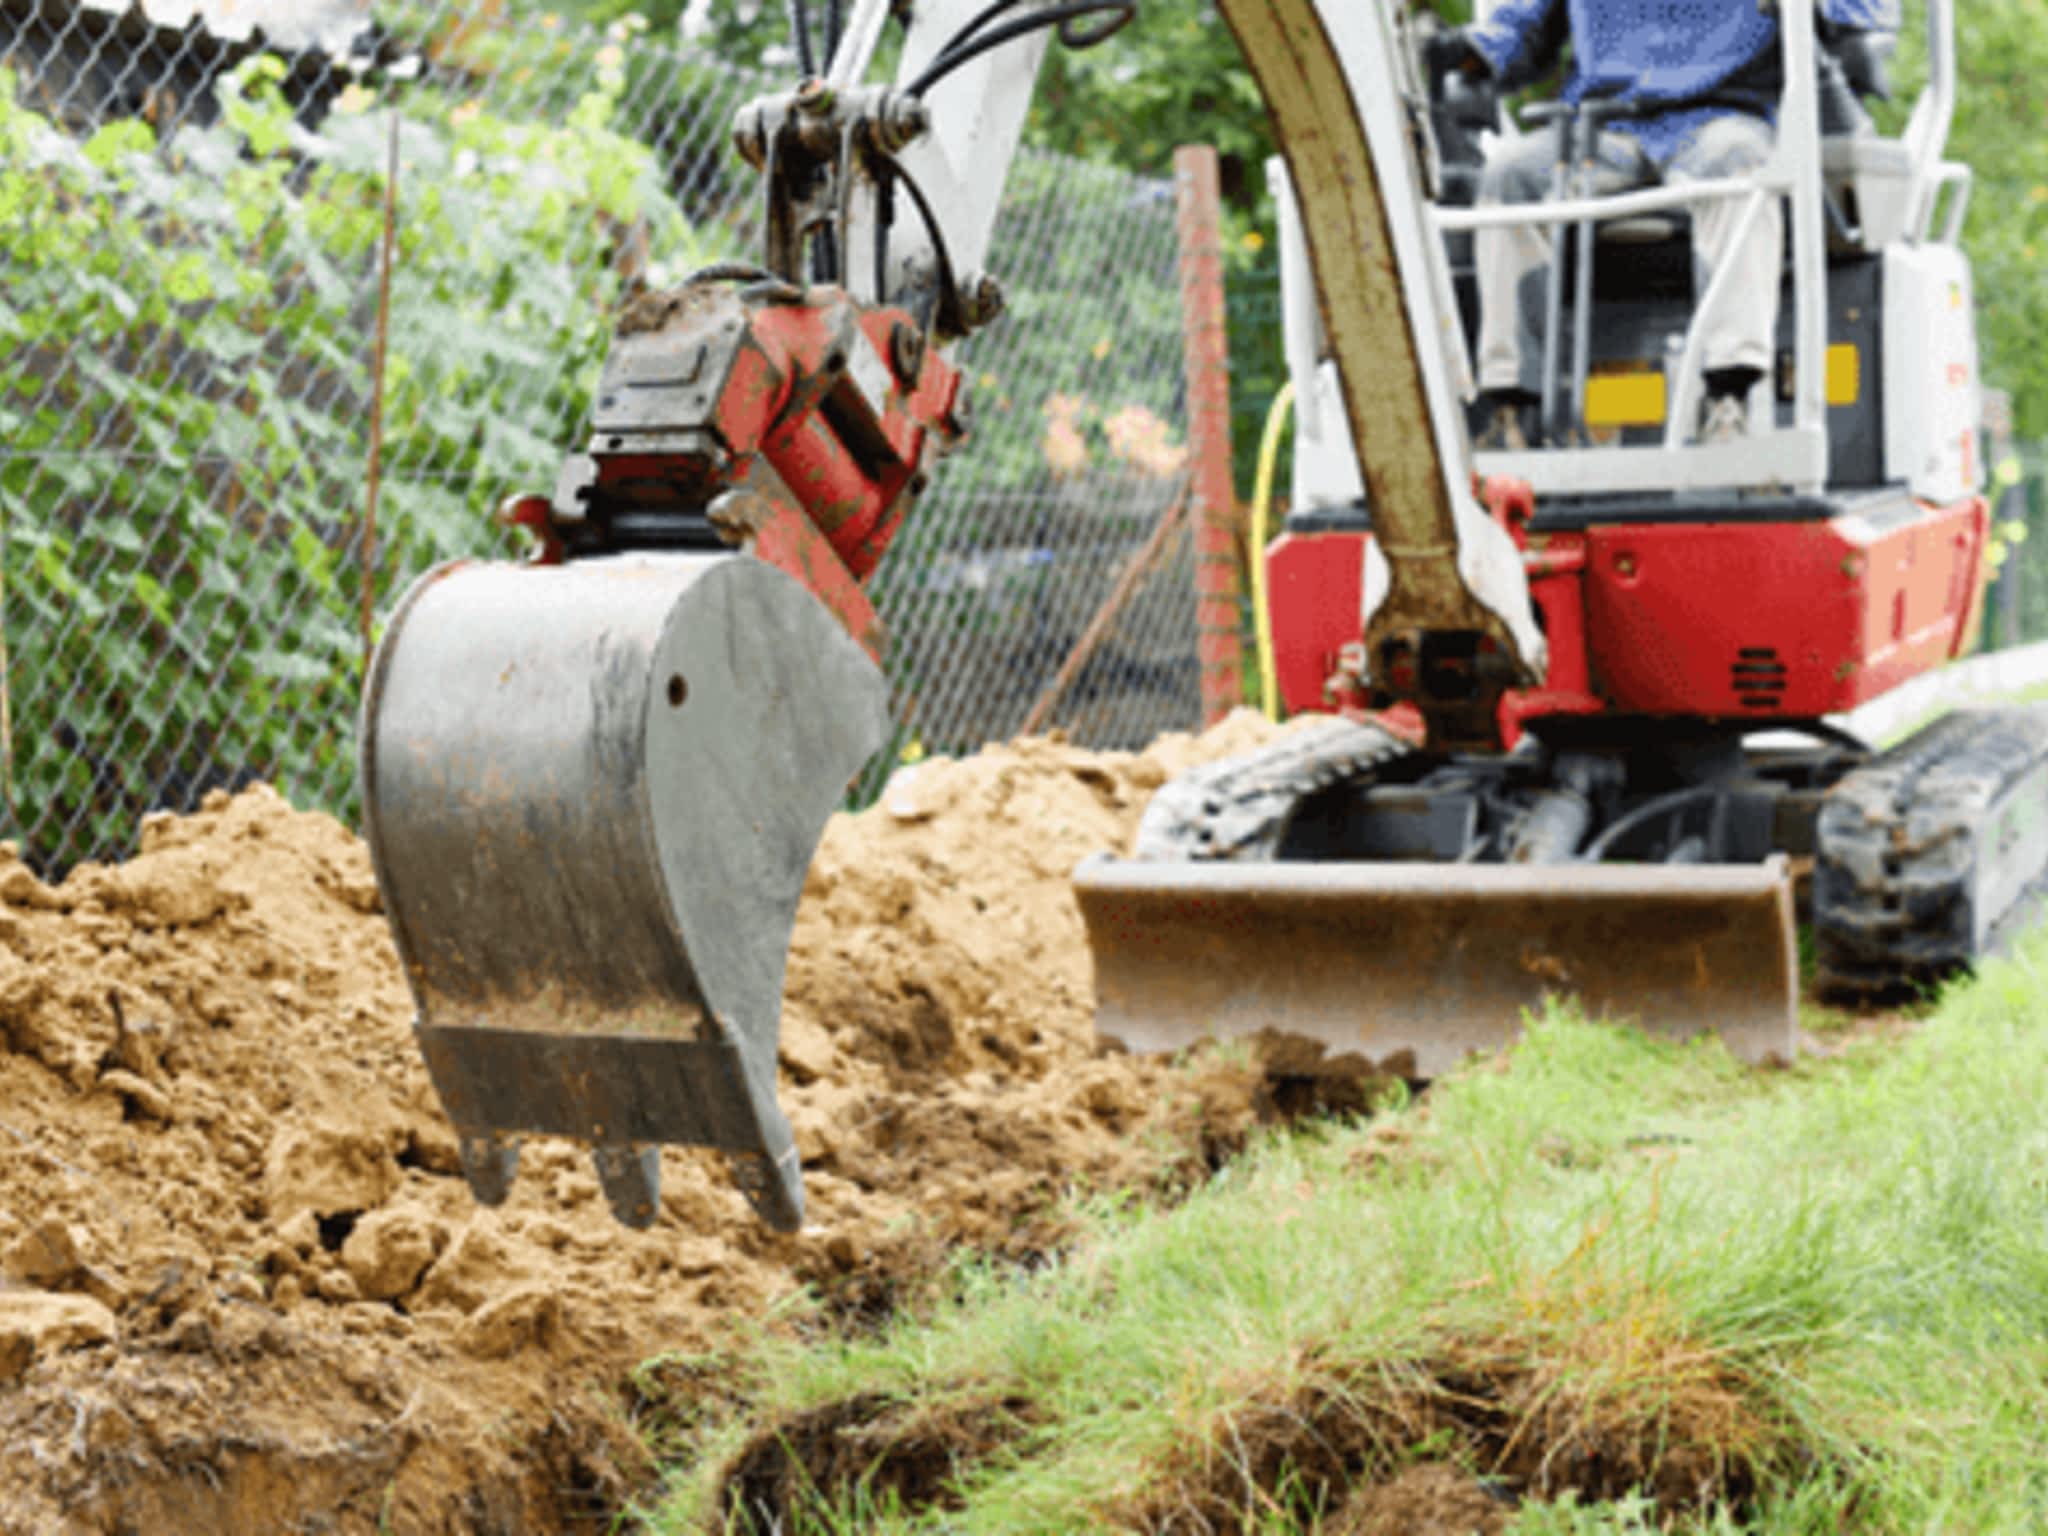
(1740, 334)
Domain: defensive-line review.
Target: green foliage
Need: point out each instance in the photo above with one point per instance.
(2003, 49)
(187, 410)
(1172, 77)
(2002, 97)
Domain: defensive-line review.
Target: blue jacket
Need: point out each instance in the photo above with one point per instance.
(1705, 57)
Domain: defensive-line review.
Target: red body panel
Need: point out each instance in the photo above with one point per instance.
(1316, 586)
(1847, 612)
(1701, 620)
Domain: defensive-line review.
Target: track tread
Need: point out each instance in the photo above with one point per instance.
(1898, 877)
(1238, 807)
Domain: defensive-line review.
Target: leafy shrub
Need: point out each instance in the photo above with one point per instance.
(189, 327)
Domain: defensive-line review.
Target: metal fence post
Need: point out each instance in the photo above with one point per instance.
(1213, 496)
(2001, 626)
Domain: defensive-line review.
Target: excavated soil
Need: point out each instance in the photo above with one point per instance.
(243, 1287)
(893, 1454)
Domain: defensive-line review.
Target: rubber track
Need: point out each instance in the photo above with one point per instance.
(1904, 865)
(1238, 807)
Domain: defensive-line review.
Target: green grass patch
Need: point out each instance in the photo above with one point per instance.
(1603, 1284)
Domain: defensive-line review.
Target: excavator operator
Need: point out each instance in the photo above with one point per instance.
(1685, 90)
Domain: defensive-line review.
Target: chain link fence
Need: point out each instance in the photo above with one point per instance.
(190, 219)
(2016, 609)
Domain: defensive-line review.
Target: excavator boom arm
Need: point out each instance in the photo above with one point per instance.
(1447, 622)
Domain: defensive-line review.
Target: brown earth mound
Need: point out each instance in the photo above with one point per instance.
(867, 1451)
(243, 1288)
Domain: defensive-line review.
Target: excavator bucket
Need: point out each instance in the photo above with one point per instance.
(1412, 967)
(592, 792)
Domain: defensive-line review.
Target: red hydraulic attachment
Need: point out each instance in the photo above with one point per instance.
(738, 408)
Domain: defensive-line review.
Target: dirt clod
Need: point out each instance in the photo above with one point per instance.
(48, 1254)
(911, 1456)
(1432, 1498)
(34, 1323)
(389, 1249)
(530, 1316)
(218, 1143)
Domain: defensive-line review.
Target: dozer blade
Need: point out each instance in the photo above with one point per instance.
(591, 792)
(1414, 966)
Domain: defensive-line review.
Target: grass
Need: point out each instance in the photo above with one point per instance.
(2035, 694)
(1630, 1282)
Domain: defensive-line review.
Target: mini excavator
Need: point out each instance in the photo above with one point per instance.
(1574, 701)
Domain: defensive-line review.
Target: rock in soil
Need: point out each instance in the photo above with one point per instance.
(41, 1323)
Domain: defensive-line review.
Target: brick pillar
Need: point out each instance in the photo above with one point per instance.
(1212, 491)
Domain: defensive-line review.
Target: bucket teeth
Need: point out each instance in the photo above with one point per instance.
(631, 1180)
(767, 1182)
(489, 1162)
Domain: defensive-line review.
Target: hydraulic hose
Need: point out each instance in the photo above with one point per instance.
(1069, 16)
(1262, 508)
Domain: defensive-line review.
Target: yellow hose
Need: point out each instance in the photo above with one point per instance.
(1262, 509)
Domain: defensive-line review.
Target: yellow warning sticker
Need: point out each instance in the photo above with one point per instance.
(1625, 400)
(1845, 373)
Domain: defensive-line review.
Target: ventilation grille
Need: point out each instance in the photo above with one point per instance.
(1759, 677)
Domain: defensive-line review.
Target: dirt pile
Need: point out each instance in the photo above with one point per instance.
(887, 1453)
(243, 1287)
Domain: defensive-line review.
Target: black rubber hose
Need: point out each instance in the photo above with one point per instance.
(1079, 39)
(758, 279)
(885, 215)
(974, 24)
(971, 46)
(800, 32)
(1072, 36)
(730, 272)
(1648, 811)
(949, 288)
